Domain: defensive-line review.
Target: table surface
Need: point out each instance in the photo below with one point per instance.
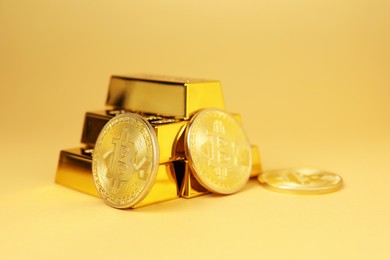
(310, 81)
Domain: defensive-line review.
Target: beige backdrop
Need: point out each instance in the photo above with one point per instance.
(309, 78)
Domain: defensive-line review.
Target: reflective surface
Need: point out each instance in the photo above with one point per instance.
(164, 105)
(168, 130)
(75, 171)
(301, 181)
(173, 179)
(256, 162)
(125, 160)
(190, 186)
(218, 151)
(162, 95)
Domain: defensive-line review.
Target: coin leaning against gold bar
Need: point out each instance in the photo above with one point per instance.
(301, 181)
(125, 160)
(218, 151)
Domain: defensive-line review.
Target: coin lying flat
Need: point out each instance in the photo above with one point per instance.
(301, 181)
(218, 151)
(125, 160)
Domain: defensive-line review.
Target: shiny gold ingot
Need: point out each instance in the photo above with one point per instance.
(176, 97)
(93, 124)
(218, 151)
(75, 171)
(168, 130)
(190, 186)
(95, 121)
(256, 162)
(301, 181)
(168, 104)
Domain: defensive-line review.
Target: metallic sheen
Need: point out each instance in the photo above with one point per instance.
(161, 95)
(75, 171)
(168, 131)
(301, 181)
(218, 151)
(125, 160)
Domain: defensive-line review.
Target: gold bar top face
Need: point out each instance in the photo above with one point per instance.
(165, 96)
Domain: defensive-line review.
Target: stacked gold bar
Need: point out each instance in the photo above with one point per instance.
(168, 104)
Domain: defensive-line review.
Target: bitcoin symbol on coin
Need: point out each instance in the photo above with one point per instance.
(125, 160)
(121, 162)
(119, 168)
(218, 151)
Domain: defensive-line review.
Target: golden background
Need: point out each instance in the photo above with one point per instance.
(310, 79)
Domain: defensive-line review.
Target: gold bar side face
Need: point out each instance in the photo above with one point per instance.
(256, 162)
(190, 187)
(167, 133)
(202, 95)
(178, 98)
(75, 171)
(93, 124)
(165, 187)
(167, 136)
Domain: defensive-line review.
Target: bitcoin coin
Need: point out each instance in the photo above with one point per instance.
(218, 151)
(125, 160)
(301, 181)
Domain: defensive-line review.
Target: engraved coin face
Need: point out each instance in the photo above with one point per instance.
(301, 181)
(218, 151)
(125, 160)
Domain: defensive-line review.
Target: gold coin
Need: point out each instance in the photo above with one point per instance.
(218, 151)
(301, 181)
(125, 160)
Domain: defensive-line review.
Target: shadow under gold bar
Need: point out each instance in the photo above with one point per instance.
(168, 130)
(167, 96)
(75, 171)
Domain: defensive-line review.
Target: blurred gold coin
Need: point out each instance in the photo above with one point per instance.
(125, 160)
(218, 151)
(301, 181)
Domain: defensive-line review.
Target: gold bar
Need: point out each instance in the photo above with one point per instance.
(168, 130)
(256, 162)
(176, 97)
(191, 188)
(93, 124)
(75, 171)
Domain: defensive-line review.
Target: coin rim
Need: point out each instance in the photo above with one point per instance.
(208, 186)
(301, 191)
(155, 161)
